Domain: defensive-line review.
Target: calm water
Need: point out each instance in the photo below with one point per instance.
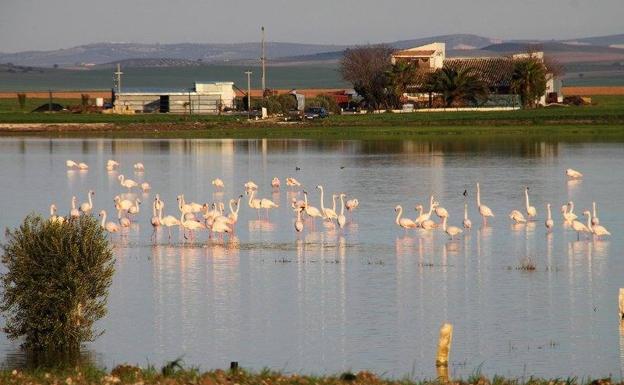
(368, 297)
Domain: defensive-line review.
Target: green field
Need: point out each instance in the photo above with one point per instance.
(603, 119)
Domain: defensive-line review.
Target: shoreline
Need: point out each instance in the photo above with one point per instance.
(174, 373)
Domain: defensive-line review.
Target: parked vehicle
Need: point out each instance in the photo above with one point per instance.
(316, 113)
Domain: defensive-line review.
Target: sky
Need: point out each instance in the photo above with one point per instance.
(53, 24)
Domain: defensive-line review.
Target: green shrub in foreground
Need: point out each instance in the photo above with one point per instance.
(56, 283)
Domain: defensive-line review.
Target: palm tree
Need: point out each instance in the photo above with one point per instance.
(399, 77)
(459, 86)
(528, 80)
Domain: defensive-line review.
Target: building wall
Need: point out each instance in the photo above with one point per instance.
(178, 103)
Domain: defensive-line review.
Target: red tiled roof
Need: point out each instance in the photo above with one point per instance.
(495, 71)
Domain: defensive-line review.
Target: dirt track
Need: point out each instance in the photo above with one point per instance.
(593, 91)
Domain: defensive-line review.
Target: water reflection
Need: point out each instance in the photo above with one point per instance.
(363, 297)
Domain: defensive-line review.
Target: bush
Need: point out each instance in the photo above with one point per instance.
(84, 101)
(325, 101)
(56, 283)
(276, 104)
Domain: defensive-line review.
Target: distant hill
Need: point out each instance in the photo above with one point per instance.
(98, 55)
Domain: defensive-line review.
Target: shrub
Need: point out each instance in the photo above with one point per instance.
(21, 99)
(56, 282)
(325, 101)
(84, 99)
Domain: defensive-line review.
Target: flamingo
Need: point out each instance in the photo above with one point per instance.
(233, 215)
(134, 210)
(138, 167)
(88, 206)
(74, 213)
(311, 211)
(83, 166)
(327, 212)
(467, 223)
(145, 187)
(124, 204)
(352, 204)
(169, 221)
(123, 221)
(571, 212)
(573, 174)
(71, 164)
(250, 186)
(597, 230)
(221, 227)
(298, 221)
(111, 165)
(265, 203)
(568, 216)
(127, 183)
(190, 225)
(218, 183)
(111, 227)
(426, 216)
(595, 221)
(549, 221)
(405, 223)
(531, 211)
(292, 182)
(581, 228)
(441, 211)
(428, 224)
(53, 216)
(452, 231)
(483, 209)
(517, 216)
(155, 221)
(341, 217)
(275, 183)
(159, 204)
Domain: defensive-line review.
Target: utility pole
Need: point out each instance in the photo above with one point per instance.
(263, 60)
(248, 94)
(118, 78)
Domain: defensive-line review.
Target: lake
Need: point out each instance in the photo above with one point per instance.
(369, 296)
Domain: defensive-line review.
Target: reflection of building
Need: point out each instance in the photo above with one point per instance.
(203, 98)
(495, 71)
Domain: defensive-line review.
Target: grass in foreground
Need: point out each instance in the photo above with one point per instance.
(173, 375)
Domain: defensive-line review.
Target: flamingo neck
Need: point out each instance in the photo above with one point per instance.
(526, 194)
(465, 210)
(51, 210)
(549, 214)
(322, 197)
(103, 218)
(594, 209)
(398, 217)
(73, 203)
(341, 204)
(333, 203)
(571, 207)
(478, 196)
(589, 225)
(160, 214)
(444, 224)
(90, 199)
(251, 195)
(305, 198)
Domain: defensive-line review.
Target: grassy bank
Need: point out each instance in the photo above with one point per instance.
(132, 375)
(606, 117)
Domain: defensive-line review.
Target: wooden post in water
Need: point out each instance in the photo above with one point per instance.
(621, 302)
(234, 365)
(444, 344)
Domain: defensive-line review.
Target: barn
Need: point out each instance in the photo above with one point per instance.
(202, 98)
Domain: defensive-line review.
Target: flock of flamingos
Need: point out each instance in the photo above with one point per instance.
(213, 217)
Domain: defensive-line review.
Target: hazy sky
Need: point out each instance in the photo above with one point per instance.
(52, 24)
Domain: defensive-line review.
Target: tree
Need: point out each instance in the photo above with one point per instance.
(458, 86)
(366, 68)
(56, 282)
(529, 80)
(400, 76)
(21, 100)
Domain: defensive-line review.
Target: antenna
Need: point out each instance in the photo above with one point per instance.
(263, 60)
(118, 78)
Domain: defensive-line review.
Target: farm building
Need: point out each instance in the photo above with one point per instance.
(495, 71)
(203, 98)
